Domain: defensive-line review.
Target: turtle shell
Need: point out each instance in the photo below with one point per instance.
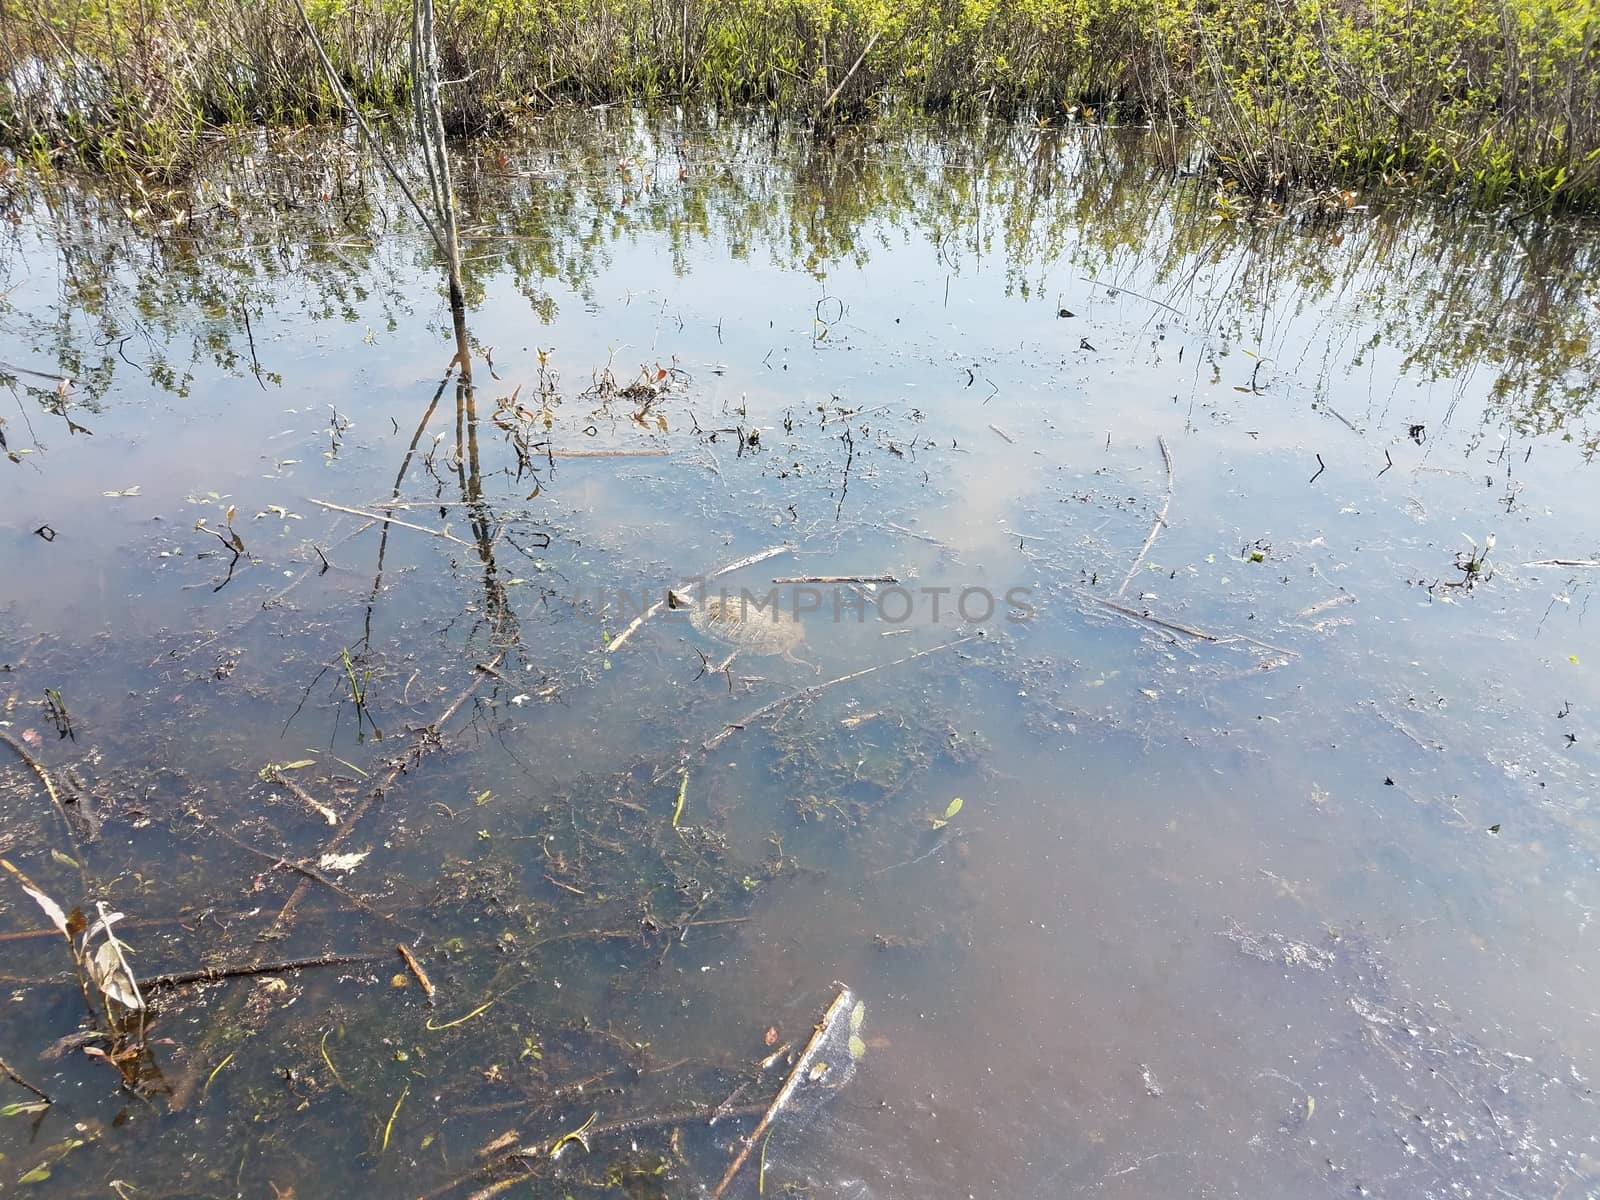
(751, 628)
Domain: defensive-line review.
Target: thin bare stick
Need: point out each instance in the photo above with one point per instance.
(921, 537)
(1563, 562)
(35, 764)
(416, 969)
(602, 453)
(357, 512)
(1161, 521)
(275, 775)
(1152, 619)
(801, 1065)
(361, 122)
(750, 561)
(837, 579)
(423, 503)
(816, 689)
(240, 970)
(1223, 639)
(55, 798)
(10, 1073)
(834, 95)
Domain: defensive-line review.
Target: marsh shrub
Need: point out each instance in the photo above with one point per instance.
(1499, 98)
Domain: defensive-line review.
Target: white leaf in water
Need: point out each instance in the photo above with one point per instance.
(123, 494)
(51, 908)
(103, 925)
(112, 979)
(521, 698)
(342, 862)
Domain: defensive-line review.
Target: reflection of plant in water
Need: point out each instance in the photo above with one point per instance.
(1519, 326)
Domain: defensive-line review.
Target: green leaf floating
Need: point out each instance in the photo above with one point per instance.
(950, 811)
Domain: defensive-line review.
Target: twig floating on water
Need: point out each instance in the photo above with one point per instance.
(274, 774)
(921, 537)
(602, 453)
(7, 1070)
(1563, 562)
(1191, 631)
(1008, 438)
(1351, 424)
(1152, 619)
(416, 969)
(1321, 467)
(1323, 606)
(211, 974)
(801, 1066)
(1161, 520)
(837, 579)
(356, 512)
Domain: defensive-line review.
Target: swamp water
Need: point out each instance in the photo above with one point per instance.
(1275, 864)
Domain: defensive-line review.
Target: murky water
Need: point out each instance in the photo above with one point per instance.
(1275, 863)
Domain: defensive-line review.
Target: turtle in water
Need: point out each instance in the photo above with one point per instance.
(749, 628)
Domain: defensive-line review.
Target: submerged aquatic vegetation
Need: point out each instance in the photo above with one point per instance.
(1500, 99)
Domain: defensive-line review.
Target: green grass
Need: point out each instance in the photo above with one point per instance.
(1498, 99)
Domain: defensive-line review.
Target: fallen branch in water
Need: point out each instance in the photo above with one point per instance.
(599, 452)
(390, 520)
(1161, 521)
(416, 969)
(1563, 562)
(1152, 619)
(1217, 639)
(241, 970)
(10, 1073)
(274, 774)
(837, 579)
(816, 689)
(38, 769)
(801, 1066)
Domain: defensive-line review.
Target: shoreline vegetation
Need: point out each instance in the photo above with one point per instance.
(1497, 102)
